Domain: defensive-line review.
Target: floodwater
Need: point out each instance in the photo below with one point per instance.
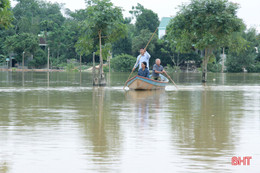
(62, 124)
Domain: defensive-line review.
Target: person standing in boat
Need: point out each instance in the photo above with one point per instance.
(157, 70)
(143, 57)
(144, 70)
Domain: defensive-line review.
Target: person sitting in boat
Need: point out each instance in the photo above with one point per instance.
(144, 70)
(157, 70)
(143, 57)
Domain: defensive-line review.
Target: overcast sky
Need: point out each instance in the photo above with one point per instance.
(249, 9)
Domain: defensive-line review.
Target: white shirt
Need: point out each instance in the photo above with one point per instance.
(144, 58)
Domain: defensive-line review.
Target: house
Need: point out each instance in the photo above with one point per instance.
(42, 39)
(162, 27)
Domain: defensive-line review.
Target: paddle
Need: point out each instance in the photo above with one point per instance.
(140, 57)
(170, 79)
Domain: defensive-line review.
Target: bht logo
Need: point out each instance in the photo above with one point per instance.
(237, 160)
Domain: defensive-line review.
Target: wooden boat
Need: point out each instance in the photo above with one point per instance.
(143, 83)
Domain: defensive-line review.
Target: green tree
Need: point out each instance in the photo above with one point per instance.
(103, 26)
(37, 17)
(169, 55)
(141, 40)
(24, 42)
(246, 58)
(124, 45)
(147, 20)
(258, 48)
(62, 40)
(136, 10)
(39, 59)
(204, 25)
(5, 33)
(6, 16)
(26, 13)
(78, 15)
(33, 16)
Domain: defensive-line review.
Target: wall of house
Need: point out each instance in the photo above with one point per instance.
(161, 33)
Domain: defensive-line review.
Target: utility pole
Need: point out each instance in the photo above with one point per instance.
(48, 60)
(23, 61)
(80, 63)
(80, 77)
(23, 68)
(222, 70)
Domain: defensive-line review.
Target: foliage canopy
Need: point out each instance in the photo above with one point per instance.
(103, 25)
(6, 16)
(204, 24)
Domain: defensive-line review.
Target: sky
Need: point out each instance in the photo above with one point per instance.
(249, 9)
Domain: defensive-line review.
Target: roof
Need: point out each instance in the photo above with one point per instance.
(164, 22)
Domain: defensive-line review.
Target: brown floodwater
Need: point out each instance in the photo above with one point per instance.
(62, 124)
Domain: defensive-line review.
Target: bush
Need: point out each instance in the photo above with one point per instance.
(106, 69)
(233, 66)
(245, 59)
(2, 59)
(171, 69)
(39, 59)
(71, 68)
(215, 68)
(123, 63)
(85, 67)
(254, 68)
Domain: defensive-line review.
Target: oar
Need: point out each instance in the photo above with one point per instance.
(171, 79)
(140, 56)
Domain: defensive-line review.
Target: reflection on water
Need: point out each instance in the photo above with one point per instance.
(102, 138)
(202, 132)
(3, 167)
(48, 79)
(58, 122)
(146, 103)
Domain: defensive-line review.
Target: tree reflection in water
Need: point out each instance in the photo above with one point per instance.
(202, 128)
(101, 129)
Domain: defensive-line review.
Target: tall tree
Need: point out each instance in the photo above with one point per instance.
(246, 58)
(124, 45)
(141, 40)
(205, 25)
(136, 10)
(24, 42)
(145, 18)
(5, 14)
(33, 16)
(103, 26)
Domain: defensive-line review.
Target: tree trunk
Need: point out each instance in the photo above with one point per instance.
(80, 75)
(10, 62)
(95, 80)
(204, 66)
(101, 77)
(100, 51)
(80, 63)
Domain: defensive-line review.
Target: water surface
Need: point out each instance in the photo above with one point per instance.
(63, 124)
